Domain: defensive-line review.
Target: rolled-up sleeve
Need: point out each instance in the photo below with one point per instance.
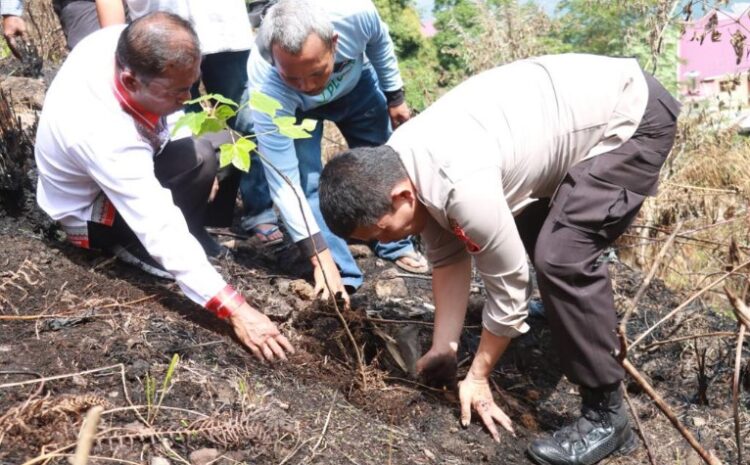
(380, 50)
(477, 206)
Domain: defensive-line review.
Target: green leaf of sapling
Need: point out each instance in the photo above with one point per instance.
(238, 154)
(226, 153)
(193, 121)
(211, 125)
(246, 145)
(225, 100)
(294, 132)
(242, 161)
(263, 103)
(308, 124)
(224, 112)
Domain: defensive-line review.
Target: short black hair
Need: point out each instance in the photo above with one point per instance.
(355, 187)
(155, 42)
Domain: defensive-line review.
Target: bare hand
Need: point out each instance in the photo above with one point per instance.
(259, 334)
(399, 115)
(214, 190)
(438, 368)
(14, 28)
(328, 266)
(474, 393)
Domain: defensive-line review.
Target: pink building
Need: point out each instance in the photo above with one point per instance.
(710, 69)
(428, 28)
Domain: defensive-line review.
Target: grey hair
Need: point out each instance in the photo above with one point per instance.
(289, 23)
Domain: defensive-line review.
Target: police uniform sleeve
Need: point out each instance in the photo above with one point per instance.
(480, 217)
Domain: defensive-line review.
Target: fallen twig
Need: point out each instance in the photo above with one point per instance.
(146, 407)
(736, 392)
(56, 377)
(687, 302)
(413, 276)
(641, 381)
(647, 281)
(687, 338)
(417, 383)
(44, 317)
(743, 320)
(639, 427)
(325, 426)
(87, 436)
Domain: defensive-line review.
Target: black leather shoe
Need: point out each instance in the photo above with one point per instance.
(602, 430)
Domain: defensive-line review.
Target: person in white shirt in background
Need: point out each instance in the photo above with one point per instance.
(110, 176)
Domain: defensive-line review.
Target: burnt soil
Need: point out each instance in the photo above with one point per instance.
(65, 312)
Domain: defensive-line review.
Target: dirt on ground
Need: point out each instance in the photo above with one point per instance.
(78, 329)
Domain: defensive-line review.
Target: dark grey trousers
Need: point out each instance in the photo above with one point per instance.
(78, 19)
(187, 167)
(596, 202)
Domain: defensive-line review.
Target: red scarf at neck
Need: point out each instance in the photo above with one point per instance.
(127, 103)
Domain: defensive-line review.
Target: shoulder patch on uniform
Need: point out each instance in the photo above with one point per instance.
(459, 232)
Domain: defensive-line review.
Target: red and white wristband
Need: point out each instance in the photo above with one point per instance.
(225, 303)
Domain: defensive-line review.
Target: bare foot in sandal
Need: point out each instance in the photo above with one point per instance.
(413, 262)
(267, 234)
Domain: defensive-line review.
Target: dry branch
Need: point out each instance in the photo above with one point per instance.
(639, 427)
(345, 324)
(743, 320)
(688, 302)
(709, 458)
(647, 281)
(88, 433)
(687, 338)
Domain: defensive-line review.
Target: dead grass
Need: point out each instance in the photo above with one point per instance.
(706, 184)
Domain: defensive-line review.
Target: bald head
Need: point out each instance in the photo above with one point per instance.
(155, 43)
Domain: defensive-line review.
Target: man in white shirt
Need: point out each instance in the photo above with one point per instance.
(550, 157)
(110, 176)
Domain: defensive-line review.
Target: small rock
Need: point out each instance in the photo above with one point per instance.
(407, 338)
(5, 348)
(203, 456)
(302, 289)
(278, 308)
(360, 251)
(429, 454)
(390, 273)
(113, 394)
(698, 422)
(282, 285)
(388, 288)
(159, 461)
(79, 380)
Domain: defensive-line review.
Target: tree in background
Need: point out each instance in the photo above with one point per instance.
(475, 35)
(416, 53)
(644, 29)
